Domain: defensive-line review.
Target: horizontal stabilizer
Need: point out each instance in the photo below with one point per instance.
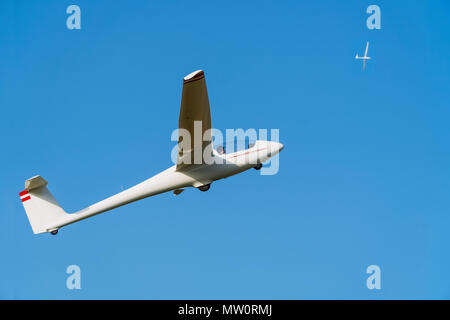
(35, 182)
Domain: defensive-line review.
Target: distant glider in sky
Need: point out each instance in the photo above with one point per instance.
(365, 58)
(46, 215)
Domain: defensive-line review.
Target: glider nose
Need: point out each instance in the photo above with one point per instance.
(276, 147)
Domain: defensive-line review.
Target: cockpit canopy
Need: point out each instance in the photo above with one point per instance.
(235, 146)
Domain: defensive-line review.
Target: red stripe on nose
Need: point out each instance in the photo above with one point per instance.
(24, 192)
(26, 198)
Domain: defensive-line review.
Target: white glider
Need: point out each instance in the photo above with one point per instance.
(46, 215)
(365, 58)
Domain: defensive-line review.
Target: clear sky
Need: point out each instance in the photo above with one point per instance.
(364, 177)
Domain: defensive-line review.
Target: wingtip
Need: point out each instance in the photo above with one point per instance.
(194, 76)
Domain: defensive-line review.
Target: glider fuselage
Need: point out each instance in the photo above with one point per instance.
(224, 165)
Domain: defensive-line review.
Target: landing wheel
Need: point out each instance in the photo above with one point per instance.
(54, 232)
(205, 187)
(258, 166)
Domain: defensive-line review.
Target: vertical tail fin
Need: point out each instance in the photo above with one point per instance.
(41, 207)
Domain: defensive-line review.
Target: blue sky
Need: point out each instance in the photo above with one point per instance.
(364, 177)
